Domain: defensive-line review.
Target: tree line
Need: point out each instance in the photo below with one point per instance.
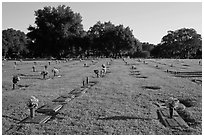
(58, 32)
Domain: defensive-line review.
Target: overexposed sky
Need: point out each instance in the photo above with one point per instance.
(149, 21)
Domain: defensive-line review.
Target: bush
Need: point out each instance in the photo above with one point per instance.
(142, 54)
(188, 102)
(186, 115)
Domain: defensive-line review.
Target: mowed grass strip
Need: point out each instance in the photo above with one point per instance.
(117, 104)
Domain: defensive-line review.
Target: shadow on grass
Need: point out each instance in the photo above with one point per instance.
(122, 118)
(23, 86)
(151, 87)
(15, 119)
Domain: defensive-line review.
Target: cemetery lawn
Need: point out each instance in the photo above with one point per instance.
(121, 103)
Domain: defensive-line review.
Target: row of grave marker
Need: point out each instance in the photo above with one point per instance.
(166, 114)
(52, 109)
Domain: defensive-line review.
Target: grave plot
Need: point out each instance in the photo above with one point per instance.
(50, 110)
(39, 119)
(137, 74)
(109, 108)
(187, 74)
(183, 69)
(194, 76)
(30, 76)
(181, 116)
(175, 122)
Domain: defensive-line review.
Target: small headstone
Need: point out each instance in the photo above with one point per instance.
(199, 62)
(44, 73)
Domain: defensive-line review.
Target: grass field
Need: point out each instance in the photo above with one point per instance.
(122, 102)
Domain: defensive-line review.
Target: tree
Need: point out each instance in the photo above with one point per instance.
(55, 31)
(108, 39)
(182, 43)
(147, 46)
(14, 43)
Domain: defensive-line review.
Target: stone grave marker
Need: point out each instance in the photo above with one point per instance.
(39, 119)
(49, 108)
(174, 122)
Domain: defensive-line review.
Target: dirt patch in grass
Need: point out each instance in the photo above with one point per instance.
(185, 65)
(23, 86)
(151, 87)
(141, 77)
(134, 74)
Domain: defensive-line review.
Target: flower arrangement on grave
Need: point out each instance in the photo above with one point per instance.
(32, 103)
(55, 71)
(44, 73)
(15, 80)
(172, 103)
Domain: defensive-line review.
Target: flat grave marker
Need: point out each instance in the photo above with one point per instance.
(49, 108)
(39, 119)
(176, 121)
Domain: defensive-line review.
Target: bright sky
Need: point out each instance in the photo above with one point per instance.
(149, 21)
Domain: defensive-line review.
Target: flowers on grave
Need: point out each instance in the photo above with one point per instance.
(16, 78)
(44, 73)
(32, 102)
(55, 71)
(172, 102)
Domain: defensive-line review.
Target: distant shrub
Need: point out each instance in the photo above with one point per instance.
(188, 102)
(145, 54)
(186, 115)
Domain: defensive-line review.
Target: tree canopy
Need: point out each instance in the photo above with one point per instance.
(55, 30)
(108, 39)
(58, 32)
(14, 43)
(182, 43)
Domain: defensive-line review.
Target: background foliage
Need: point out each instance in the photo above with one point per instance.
(58, 32)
